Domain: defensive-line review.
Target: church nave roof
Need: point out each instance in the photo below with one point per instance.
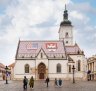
(30, 49)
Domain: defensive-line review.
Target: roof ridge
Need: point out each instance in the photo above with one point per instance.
(40, 41)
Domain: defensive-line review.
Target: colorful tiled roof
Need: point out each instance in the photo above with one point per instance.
(73, 49)
(52, 49)
(31, 48)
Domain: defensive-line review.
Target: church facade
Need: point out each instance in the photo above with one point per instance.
(52, 58)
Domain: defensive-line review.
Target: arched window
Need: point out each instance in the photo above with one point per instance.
(58, 67)
(79, 65)
(26, 68)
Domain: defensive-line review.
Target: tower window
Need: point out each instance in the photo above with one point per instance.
(67, 42)
(66, 34)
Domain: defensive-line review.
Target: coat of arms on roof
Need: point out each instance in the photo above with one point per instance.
(51, 46)
(33, 46)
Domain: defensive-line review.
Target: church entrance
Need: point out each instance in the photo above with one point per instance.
(41, 70)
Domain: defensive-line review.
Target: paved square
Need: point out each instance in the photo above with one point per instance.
(41, 86)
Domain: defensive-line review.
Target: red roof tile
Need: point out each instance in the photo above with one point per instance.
(2, 65)
(73, 49)
(32, 48)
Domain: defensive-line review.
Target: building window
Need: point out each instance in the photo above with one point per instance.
(58, 68)
(69, 68)
(66, 34)
(26, 68)
(79, 65)
(62, 56)
(54, 56)
(67, 42)
(41, 55)
(78, 52)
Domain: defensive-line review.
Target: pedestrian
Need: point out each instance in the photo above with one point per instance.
(31, 83)
(88, 75)
(25, 82)
(47, 81)
(60, 82)
(56, 84)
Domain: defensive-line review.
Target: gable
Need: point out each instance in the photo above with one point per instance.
(41, 54)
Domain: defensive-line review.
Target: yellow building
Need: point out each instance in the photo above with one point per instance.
(11, 67)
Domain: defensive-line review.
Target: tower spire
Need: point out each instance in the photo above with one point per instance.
(65, 31)
(65, 15)
(65, 21)
(65, 6)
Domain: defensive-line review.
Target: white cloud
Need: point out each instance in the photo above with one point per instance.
(79, 16)
(4, 2)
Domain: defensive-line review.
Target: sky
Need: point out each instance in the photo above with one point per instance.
(40, 20)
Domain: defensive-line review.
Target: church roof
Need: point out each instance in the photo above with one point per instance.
(73, 49)
(30, 49)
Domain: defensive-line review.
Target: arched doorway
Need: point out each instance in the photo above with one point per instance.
(41, 70)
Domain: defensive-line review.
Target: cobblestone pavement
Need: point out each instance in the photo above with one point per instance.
(41, 86)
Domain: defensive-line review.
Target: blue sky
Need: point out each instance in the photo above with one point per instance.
(34, 20)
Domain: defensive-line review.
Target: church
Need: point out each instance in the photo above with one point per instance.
(52, 58)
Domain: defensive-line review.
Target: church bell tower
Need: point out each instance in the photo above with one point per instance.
(65, 30)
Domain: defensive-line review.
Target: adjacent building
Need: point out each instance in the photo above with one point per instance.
(52, 58)
(11, 71)
(2, 71)
(91, 63)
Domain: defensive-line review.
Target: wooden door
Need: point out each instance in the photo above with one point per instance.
(41, 76)
(41, 70)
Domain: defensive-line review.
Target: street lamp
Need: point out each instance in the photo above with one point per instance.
(73, 68)
(6, 69)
